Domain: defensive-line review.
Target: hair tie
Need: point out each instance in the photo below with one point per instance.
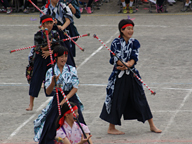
(55, 54)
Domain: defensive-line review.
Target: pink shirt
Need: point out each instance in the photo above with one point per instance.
(73, 134)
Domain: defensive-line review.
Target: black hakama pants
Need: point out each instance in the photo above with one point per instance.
(39, 71)
(128, 100)
(49, 130)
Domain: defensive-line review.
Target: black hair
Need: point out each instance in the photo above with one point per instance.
(59, 50)
(124, 22)
(44, 17)
(64, 109)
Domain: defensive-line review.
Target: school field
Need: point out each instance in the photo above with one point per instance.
(164, 63)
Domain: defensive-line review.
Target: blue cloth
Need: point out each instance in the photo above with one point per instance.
(75, 5)
(125, 52)
(59, 12)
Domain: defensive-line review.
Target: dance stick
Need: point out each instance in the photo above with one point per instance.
(22, 49)
(51, 43)
(152, 92)
(52, 63)
(58, 104)
(36, 7)
(73, 41)
(75, 117)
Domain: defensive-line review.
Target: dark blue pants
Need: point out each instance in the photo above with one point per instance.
(39, 71)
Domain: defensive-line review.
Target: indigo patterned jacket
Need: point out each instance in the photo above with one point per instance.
(59, 12)
(125, 52)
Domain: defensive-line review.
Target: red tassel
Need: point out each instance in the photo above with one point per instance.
(47, 5)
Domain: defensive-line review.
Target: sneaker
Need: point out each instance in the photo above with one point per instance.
(130, 10)
(170, 4)
(185, 8)
(125, 10)
(88, 9)
(9, 10)
(81, 10)
(26, 11)
(3, 10)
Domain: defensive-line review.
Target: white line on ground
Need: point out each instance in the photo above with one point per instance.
(174, 115)
(96, 51)
(24, 123)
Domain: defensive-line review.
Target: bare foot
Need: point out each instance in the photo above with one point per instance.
(156, 130)
(42, 85)
(115, 132)
(30, 108)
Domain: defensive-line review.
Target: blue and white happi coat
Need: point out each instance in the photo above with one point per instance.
(68, 78)
(125, 52)
(59, 12)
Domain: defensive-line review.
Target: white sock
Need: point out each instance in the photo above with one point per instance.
(186, 4)
(123, 4)
(130, 4)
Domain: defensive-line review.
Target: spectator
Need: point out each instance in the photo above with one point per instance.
(171, 2)
(129, 6)
(7, 9)
(187, 3)
(88, 7)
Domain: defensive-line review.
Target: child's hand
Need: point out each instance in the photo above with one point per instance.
(60, 27)
(70, 6)
(55, 21)
(62, 102)
(121, 68)
(83, 140)
(45, 54)
(53, 79)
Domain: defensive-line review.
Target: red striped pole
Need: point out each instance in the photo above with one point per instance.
(69, 105)
(22, 49)
(52, 63)
(36, 7)
(58, 104)
(60, 40)
(74, 42)
(152, 92)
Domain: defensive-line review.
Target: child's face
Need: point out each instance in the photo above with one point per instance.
(61, 61)
(48, 25)
(128, 32)
(54, 1)
(70, 116)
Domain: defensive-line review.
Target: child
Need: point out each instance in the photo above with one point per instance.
(40, 55)
(125, 93)
(68, 129)
(66, 76)
(63, 17)
(74, 7)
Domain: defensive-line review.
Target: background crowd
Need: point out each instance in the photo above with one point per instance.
(90, 6)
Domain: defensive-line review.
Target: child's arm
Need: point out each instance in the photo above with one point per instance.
(70, 94)
(121, 66)
(72, 8)
(51, 86)
(83, 140)
(65, 25)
